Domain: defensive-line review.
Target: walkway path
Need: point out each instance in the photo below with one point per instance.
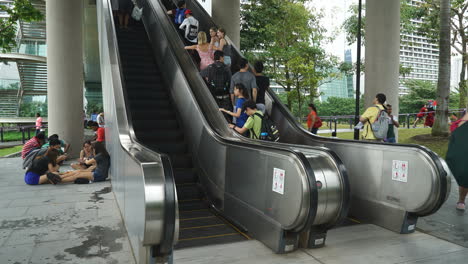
(66, 223)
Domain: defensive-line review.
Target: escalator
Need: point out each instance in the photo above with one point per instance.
(157, 126)
(181, 177)
(376, 196)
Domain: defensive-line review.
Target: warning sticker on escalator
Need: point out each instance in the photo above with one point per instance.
(400, 170)
(278, 180)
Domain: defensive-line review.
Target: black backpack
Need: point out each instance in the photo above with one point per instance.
(268, 131)
(219, 82)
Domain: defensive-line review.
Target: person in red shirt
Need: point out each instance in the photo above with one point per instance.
(313, 121)
(99, 131)
(34, 143)
(420, 115)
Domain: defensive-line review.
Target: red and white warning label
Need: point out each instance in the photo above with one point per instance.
(400, 170)
(278, 180)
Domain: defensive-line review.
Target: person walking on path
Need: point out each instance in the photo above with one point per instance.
(38, 123)
(456, 159)
(391, 138)
(370, 115)
(420, 115)
(313, 121)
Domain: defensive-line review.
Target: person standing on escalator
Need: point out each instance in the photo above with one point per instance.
(218, 79)
(190, 27)
(179, 13)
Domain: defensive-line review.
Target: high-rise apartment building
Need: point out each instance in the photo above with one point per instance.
(419, 53)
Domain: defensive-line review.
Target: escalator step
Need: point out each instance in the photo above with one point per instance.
(194, 214)
(214, 240)
(181, 161)
(188, 192)
(185, 176)
(192, 205)
(149, 126)
(170, 147)
(150, 104)
(206, 230)
(159, 135)
(153, 114)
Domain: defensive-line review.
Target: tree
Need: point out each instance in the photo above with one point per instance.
(17, 10)
(440, 127)
(289, 37)
(429, 11)
(420, 92)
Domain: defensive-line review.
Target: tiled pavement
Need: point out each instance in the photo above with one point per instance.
(65, 223)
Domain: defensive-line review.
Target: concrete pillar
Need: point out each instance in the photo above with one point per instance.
(226, 14)
(64, 20)
(382, 55)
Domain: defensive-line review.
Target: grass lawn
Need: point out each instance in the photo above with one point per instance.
(8, 151)
(420, 136)
(15, 135)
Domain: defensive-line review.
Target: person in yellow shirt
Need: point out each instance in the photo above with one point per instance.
(370, 115)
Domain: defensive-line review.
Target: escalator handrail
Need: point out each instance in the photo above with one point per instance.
(130, 145)
(299, 129)
(220, 131)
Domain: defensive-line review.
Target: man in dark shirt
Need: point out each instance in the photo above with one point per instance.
(218, 78)
(263, 83)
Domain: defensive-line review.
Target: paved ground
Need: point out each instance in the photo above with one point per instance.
(66, 223)
(448, 223)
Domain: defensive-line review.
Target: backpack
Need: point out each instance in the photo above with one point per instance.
(380, 125)
(28, 160)
(192, 32)
(268, 130)
(219, 82)
(179, 16)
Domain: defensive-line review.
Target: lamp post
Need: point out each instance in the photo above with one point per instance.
(358, 71)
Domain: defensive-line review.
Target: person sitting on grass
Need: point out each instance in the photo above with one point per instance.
(42, 169)
(100, 173)
(87, 153)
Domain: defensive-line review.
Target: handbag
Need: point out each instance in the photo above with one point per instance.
(137, 13)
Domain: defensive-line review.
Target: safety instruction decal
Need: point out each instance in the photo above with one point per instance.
(278, 180)
(400, 171)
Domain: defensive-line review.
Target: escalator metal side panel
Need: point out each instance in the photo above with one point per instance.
(334, 197)
(142, 179)
(231, 166)
(369, 165)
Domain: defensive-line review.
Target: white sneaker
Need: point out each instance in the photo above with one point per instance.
(461, 206)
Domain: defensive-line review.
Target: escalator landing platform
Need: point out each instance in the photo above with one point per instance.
(358, 244)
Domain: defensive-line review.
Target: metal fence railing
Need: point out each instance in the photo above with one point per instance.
(406, 120)
(25, 130)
